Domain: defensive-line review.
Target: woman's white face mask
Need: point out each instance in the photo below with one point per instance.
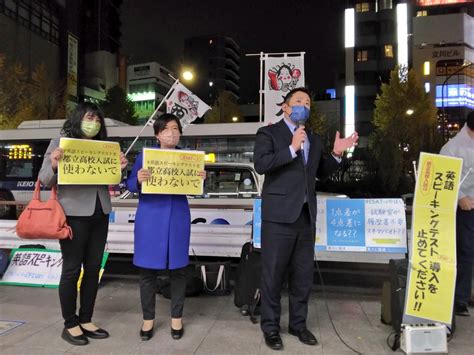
(170, 136)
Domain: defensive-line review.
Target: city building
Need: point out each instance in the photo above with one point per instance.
(76, 40)
(99, 45)
(443, 56)
(147, 85)
(375, 40)
(215, 63)
(31, 35)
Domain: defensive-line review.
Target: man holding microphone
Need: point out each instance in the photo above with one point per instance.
(291, 157)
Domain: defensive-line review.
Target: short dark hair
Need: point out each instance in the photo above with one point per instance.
(72, 126)
(470, 120)
(162, 121)
(294, 91)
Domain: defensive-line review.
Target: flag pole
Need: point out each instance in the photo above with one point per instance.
(153, 115)
(465, 176)
(260, 103)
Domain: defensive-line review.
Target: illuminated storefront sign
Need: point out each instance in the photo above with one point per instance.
(142, 96)
(455, 95)
(440, 2)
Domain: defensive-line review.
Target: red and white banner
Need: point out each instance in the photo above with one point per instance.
(185, 105)
(281, 75)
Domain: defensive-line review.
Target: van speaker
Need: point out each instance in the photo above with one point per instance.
(424, 338)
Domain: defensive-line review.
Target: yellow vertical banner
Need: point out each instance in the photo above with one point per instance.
(173, 171)
(89, 162)
(432, 276)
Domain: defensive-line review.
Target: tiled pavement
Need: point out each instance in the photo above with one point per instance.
(213, 325)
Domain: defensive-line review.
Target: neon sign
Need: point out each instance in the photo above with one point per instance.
(440, 2)
(455, 95)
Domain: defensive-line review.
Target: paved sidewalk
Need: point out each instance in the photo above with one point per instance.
(213, 325)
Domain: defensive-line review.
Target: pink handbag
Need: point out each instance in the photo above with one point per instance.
(43, 219)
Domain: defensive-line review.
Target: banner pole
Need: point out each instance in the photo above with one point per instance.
(260, 104)
(465, 176)
(153, 115)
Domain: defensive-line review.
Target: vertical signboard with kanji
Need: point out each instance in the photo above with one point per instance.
(72, 50)
(432, 271)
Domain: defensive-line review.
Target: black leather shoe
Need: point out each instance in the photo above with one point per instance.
(74, 340)
(461, 310)
(99, 333)
(273, 340)
(177, 333)
(146, 334)
(304, 335)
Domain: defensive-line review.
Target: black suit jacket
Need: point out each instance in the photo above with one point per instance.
(283, 192)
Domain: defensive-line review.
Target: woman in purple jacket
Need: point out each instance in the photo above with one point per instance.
(162, 232)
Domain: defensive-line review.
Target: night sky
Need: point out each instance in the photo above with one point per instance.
(154, 30)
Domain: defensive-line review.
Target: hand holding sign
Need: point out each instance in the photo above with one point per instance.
(202, 174)
(123, 161)
(55, 157)
(466, 204)
(143, 175)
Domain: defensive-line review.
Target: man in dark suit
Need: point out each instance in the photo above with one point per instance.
(291, 157)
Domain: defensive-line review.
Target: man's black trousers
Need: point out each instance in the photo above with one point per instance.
(287, 247)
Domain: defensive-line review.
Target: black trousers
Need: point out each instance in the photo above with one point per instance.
(465, 255)
(287, 247)
(148, 279)
(86, 248)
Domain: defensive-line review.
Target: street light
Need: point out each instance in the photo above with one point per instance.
(443, 126)
(235, 119)
(410, 112)
(187, 75)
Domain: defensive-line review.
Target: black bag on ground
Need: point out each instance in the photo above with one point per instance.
(247, 282)
(215, 277)
(193, 284)
(3, 262)
(398, 282)
(398, 269)
(386, 310)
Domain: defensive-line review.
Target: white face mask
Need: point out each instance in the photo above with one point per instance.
(169, 138)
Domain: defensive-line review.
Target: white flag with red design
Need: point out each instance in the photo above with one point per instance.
(185, 105)
(283, 74)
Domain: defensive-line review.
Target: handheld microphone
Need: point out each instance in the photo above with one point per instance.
(301, 125)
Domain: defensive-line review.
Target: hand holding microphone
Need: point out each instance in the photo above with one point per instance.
(298, 139)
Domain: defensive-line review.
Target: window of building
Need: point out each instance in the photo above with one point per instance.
(421, 13)
(362, 56)
(40, 16)
(426, 68)
(384, 4)
(362, 7)
(387, 27)
(368, 28)
(365, 103)
(388, 51)
(10, 5)
(142, 70)
(366, 78)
